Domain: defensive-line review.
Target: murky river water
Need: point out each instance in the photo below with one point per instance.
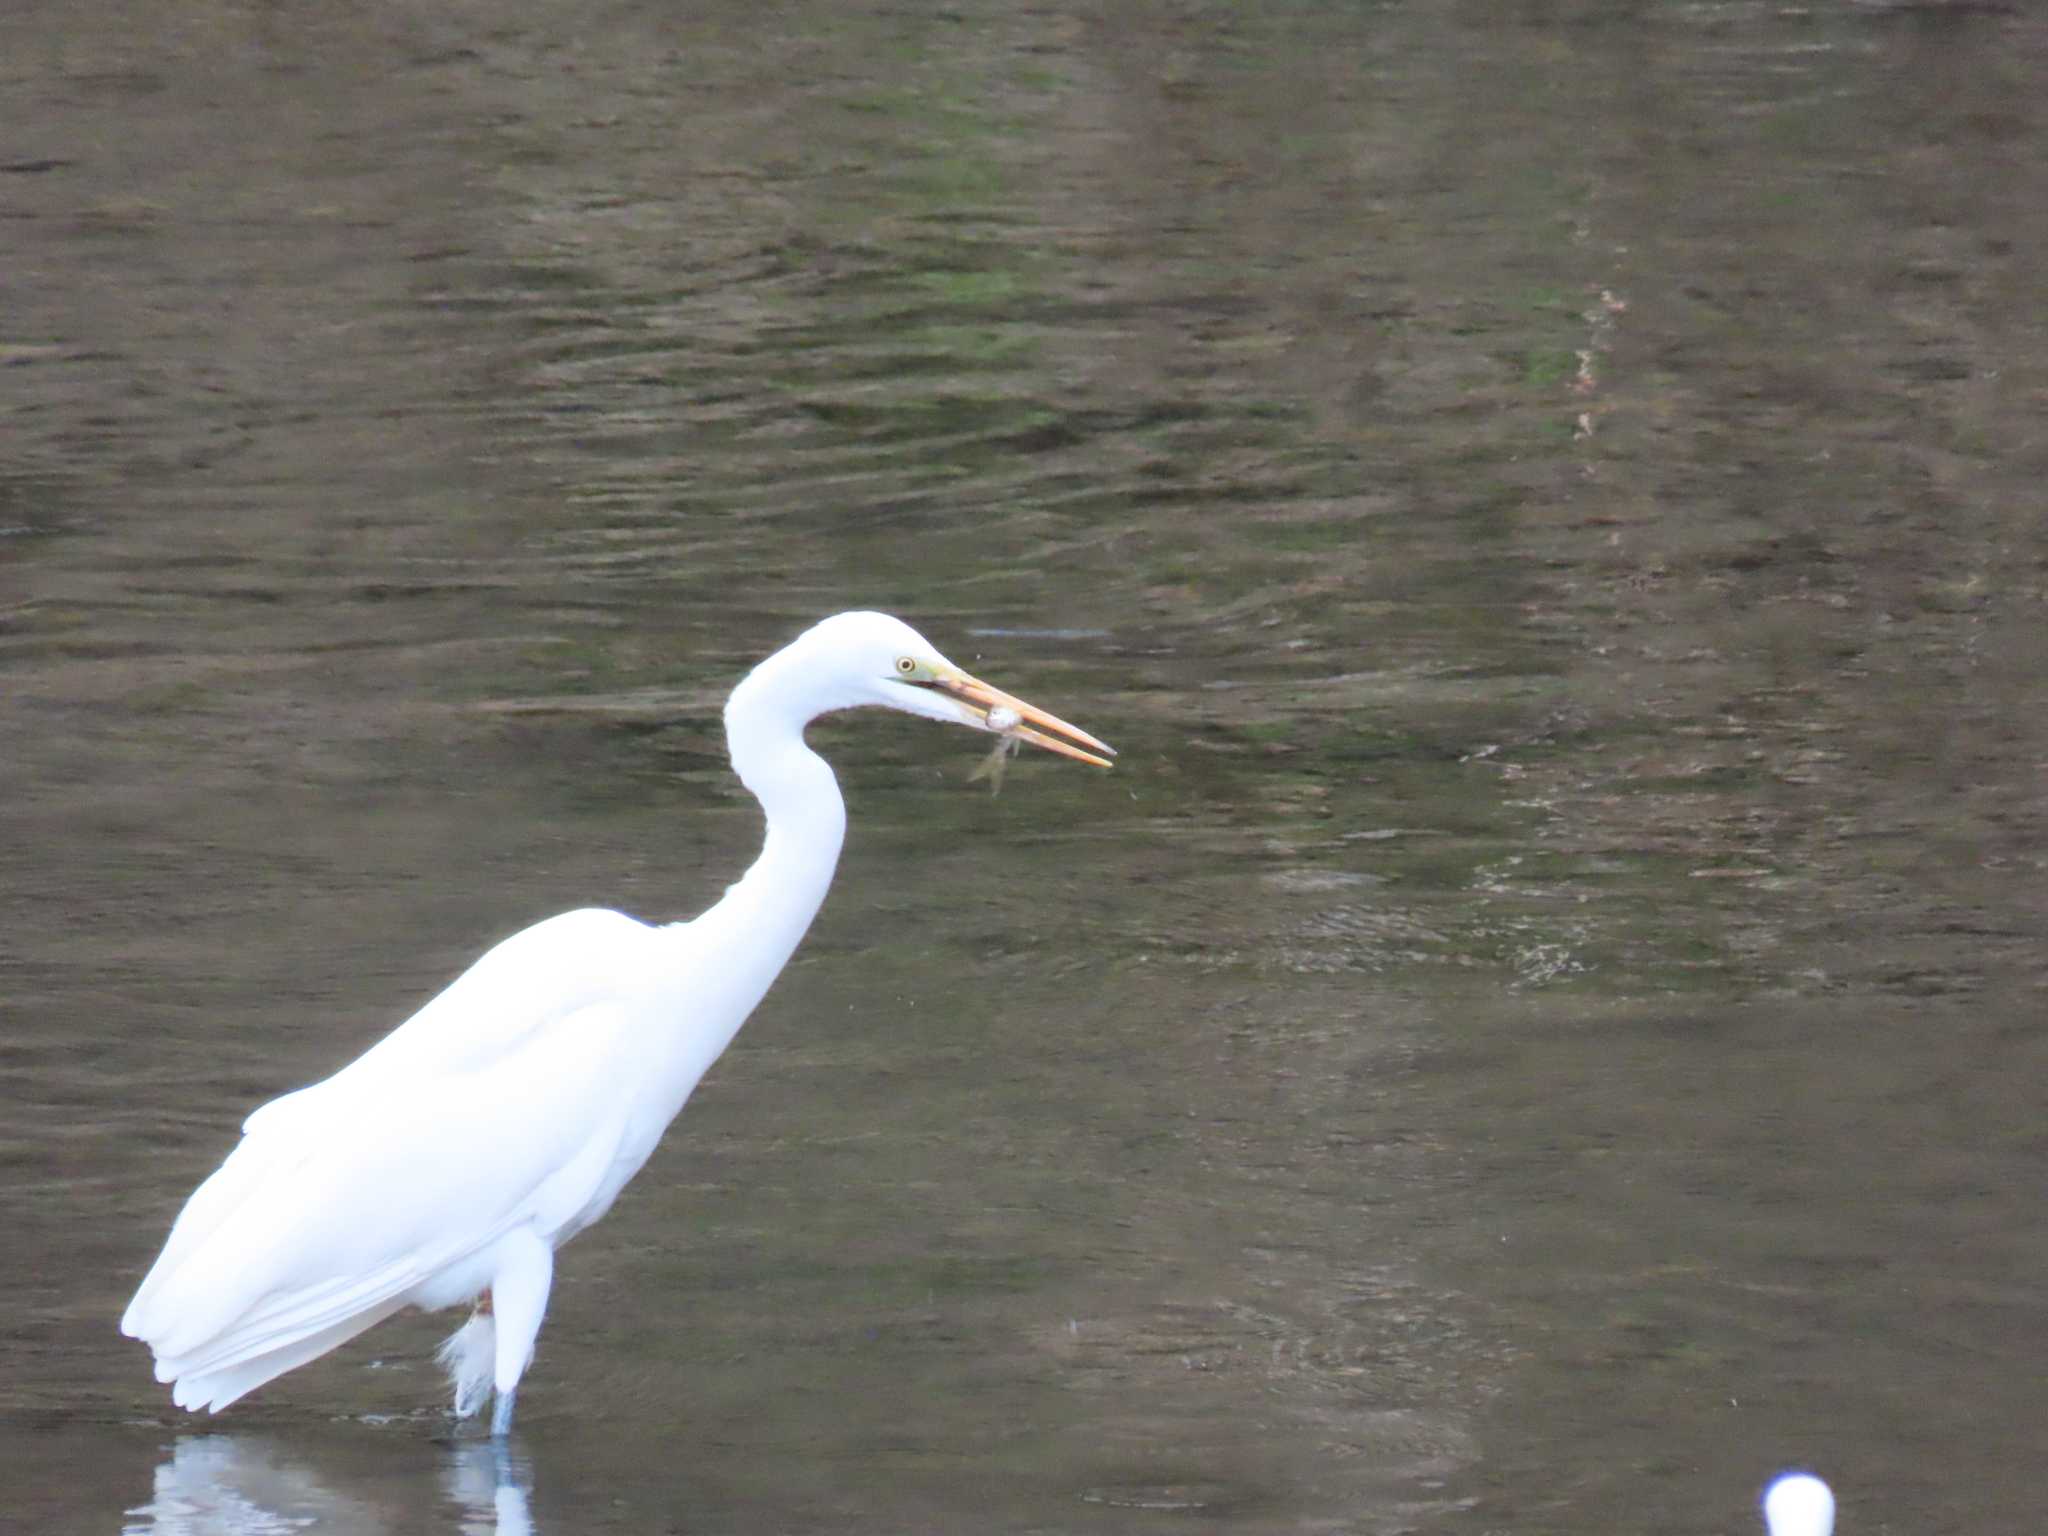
(1541, 1028)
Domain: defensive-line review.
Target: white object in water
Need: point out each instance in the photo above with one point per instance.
(1799, 1504)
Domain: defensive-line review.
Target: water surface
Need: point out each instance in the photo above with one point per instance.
(1540, 1028)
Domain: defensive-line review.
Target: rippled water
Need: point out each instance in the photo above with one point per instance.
(1541, 1027)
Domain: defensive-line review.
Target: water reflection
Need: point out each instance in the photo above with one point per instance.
(245, 1485)
(490, 1483)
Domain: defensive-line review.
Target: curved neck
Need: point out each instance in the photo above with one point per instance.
(773, 903)
(721, 963)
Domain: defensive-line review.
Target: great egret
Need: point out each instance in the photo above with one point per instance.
(447, 1163)
(1799, 1504)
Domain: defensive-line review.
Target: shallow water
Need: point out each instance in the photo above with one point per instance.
(1541, 1026)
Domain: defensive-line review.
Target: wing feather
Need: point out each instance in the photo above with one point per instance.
(344, 1200)
(537, 977)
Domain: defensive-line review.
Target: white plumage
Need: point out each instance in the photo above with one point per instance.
(1799, 1504)
(447, 1163)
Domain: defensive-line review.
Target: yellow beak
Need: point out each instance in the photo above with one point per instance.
(973, 691)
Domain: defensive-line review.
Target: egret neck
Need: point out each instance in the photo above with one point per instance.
(765, 913)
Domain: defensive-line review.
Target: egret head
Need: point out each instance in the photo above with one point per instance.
(856, 659)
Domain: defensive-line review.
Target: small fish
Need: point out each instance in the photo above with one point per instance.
(1003, 721)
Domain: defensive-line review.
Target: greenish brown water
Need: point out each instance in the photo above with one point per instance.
(1541, 1028)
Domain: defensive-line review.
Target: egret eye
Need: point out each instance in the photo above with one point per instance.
(905, 665)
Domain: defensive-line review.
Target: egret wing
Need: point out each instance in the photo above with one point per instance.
(539, 978)
(335, 1216)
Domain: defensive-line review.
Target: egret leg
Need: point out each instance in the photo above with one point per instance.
(501, 1414)
(519, 1297)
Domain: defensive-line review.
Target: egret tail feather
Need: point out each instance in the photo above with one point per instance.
(214, 1387)
(469, 1355)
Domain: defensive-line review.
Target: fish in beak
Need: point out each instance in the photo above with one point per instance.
(1007, 715)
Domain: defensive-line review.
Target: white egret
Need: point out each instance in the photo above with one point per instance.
(446, 1164)
(1799, 1504)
